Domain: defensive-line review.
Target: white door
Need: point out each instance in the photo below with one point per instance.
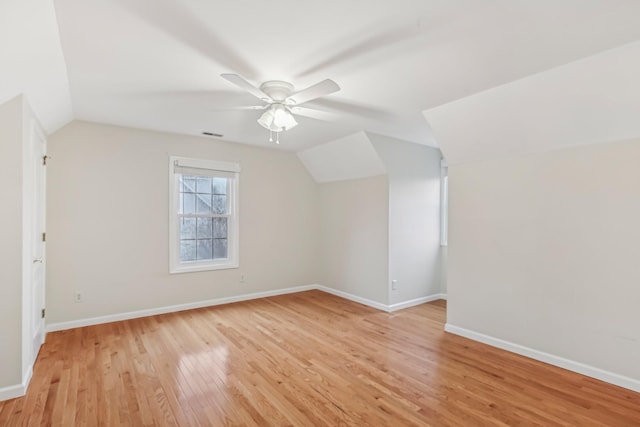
(39, 149)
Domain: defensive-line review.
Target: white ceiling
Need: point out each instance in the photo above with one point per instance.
(589, 101)
(155, 64)
(31, 61)
(350, 157)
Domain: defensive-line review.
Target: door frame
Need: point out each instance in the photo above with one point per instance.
(37, 246)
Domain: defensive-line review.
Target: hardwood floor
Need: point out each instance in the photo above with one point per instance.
(306, 359)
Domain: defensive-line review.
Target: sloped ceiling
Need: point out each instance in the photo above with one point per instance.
(31, 60)
(588, 101)
(350, 157)
(156, 64)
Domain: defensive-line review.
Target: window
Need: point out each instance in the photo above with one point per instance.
(444, 203)
(203, 230)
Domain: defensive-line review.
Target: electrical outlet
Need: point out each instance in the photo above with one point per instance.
(394, 285)
(79, 297)
(242, 278)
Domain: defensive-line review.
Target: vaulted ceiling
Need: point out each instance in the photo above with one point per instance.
(156, 64)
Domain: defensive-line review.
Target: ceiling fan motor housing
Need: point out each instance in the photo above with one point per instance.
(278, 90)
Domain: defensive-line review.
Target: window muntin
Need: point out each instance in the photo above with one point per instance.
(204, 215)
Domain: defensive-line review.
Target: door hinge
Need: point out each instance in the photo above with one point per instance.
(44, 237)
(44, 160)
(43, 313)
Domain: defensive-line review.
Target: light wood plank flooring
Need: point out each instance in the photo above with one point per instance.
(306, 359)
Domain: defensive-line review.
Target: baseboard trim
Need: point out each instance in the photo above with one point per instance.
(354, 298)
(417, 301)
(581, 368)
(379, 305)
(61, 326)
(12, 392)
(18, 390)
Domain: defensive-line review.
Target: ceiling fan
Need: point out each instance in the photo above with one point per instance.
(282, 102)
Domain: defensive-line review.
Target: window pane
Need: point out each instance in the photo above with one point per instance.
(187, 250)
(220, 228)
(203, 185)
(204, 251)
(220, 248)
(187, 184)
(219, 185)
(205, 228)
(187, 228)
(203, 203)
(188, 203)
(219, 204)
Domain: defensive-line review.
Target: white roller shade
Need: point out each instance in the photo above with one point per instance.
(185, 166)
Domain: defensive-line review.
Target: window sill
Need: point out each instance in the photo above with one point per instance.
(202, 267)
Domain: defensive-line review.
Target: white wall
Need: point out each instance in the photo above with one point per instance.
(543, 253)
(354, 237)
(414, 217)
(11, 242)
(370, 227)
(108, 222)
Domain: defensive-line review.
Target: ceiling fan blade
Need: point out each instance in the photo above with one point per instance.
(242, 83)
(323, 88)
(246, 107)
(314, 114)
(352, 109)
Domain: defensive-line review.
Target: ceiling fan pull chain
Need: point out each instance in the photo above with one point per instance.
(270, 135)
(277, 137)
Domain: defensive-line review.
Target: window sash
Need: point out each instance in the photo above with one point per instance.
(181, 215)
(205, 168)
(229, 197)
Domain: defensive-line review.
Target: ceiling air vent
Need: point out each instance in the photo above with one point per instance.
(217, 135)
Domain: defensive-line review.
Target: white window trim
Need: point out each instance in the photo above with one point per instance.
(444, 203)
(175, 266)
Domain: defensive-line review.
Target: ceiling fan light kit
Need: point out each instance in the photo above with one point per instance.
(277, 119)
(280, 98)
